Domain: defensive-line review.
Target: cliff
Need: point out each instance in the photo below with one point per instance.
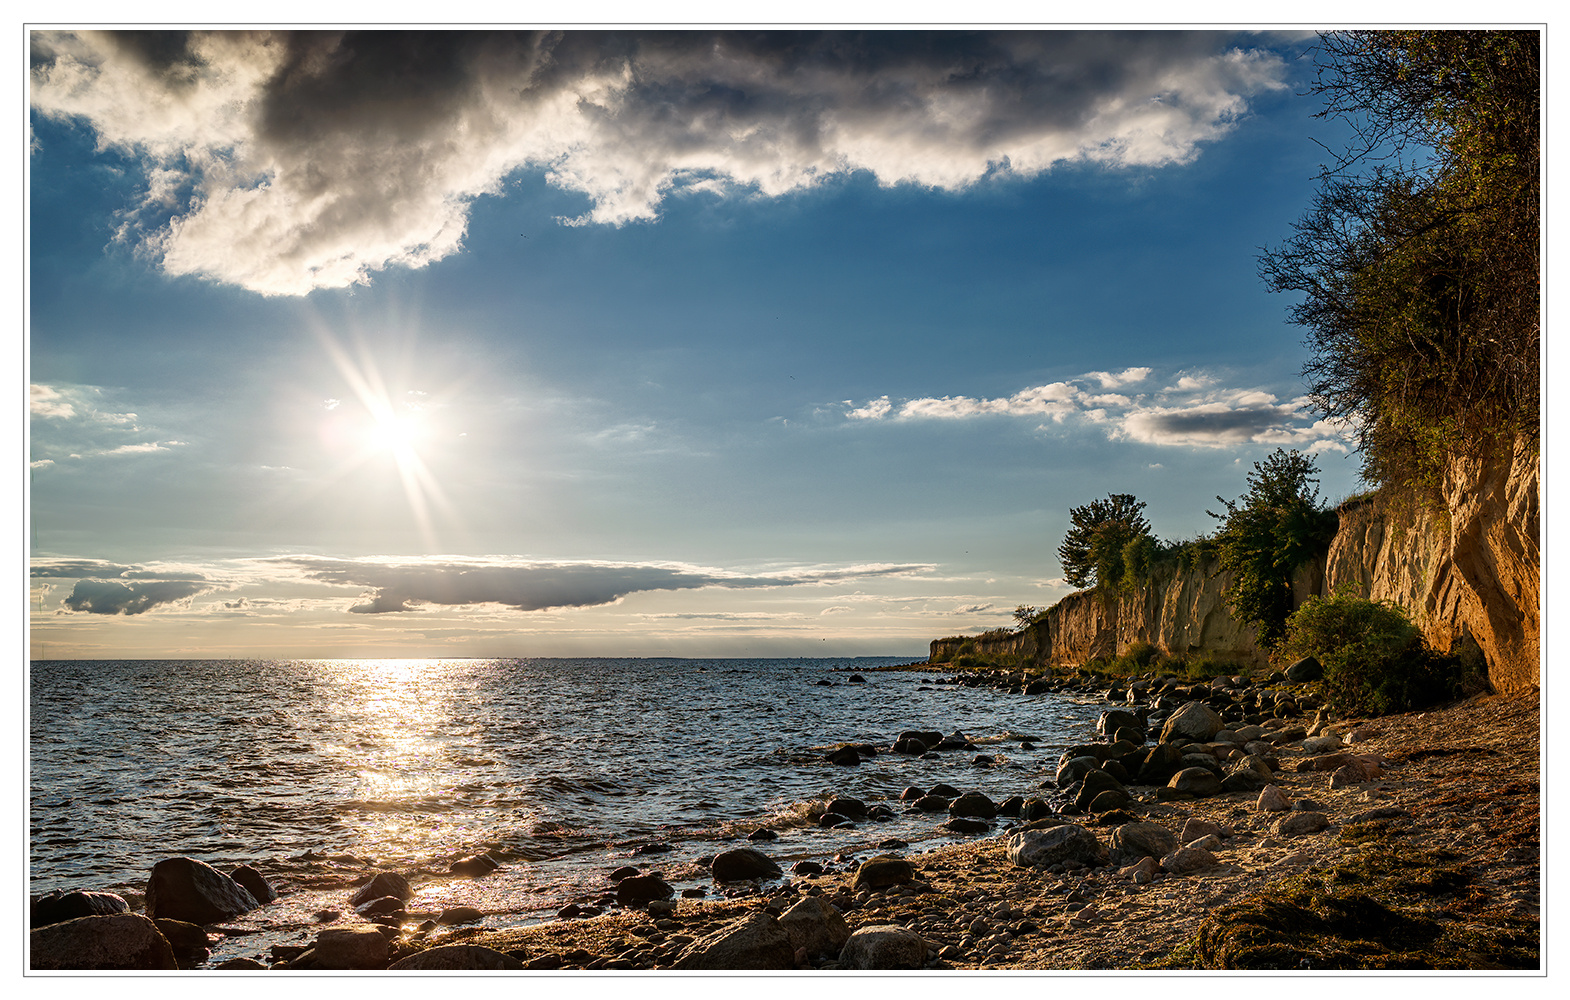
(1469, 573)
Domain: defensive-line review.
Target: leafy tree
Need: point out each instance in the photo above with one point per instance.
(1418, 264)
(1092, 551)
(1025, 616)
(1266, 534)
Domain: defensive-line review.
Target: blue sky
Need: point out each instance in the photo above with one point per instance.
(640, 343)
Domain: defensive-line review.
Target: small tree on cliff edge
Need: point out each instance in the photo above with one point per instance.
(1092, 551)
(1266, 534)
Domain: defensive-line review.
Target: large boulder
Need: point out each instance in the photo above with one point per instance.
(190, 890)
(1059, 844)
(60, 906)
(108, 941)
(815, 926)
(853, 809)
(741, 864)
(757, 941)
(884, 946)
(455, 958)
(1095, 783)
(1194, 720)
(1132, 841)
(1160, 764)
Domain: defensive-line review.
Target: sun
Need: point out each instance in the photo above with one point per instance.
(398, 433)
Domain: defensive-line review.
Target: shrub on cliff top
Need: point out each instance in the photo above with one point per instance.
(1375, 659)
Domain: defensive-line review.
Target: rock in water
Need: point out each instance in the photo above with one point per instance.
(189, 890)
(973, 804)
(383, 884)
(259, 888)
(884, 946)
(358, 947)
(58, 906)
(480, 864)
(741, 864)
(753, 942)
(109, 941)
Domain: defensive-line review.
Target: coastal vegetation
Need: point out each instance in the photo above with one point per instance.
(1418, 264)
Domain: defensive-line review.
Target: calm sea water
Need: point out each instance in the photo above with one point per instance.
(318, 771)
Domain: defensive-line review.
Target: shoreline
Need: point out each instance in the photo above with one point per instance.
(977, 911)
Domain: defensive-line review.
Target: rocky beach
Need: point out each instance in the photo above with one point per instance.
(1226, 824)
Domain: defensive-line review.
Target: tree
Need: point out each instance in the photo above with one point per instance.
(1092, 551)
(1266, 534)
(1418, 264)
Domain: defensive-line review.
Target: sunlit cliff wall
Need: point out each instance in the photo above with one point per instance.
(1473, 571)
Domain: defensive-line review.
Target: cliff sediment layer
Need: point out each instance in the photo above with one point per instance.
(1470, 573)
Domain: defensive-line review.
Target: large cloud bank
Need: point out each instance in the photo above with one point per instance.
(288, 161)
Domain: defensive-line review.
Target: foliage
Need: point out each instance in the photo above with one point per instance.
(1374, 658)
(1092, 551)
(1418, 263)
(1139, 558)
(1026, 615)
(1266, 534)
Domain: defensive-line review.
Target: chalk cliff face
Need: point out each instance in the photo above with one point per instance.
(1473, 572)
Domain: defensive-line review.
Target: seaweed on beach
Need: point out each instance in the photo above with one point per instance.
(1392, 906)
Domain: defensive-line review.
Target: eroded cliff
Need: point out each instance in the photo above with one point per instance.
(1470, 571)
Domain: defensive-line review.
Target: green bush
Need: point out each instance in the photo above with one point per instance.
(1374, 658)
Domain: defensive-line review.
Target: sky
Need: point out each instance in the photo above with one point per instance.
(640, 342)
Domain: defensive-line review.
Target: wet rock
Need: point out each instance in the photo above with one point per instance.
(946, 791)
(190, 890)
(1111, 721)
(455, 915)
(884, 946)
(127, 941)
(965, 824)
(640, 890)
(742, 864)
(188, 941)
(1095, 783)
(625, 871)
(59, 906)
(457, 957)
(1074, 769)
(806, 868)
(844, 756)
(911, 794)
(358, 947)
(480, 864)
(255, 883)
(1109, 801)
(850, 808)
(757, 941)
(829, 820)
(382, 906)
(883, 871)
(1059, 844)
(973, 804)
(383, 884)
(931, 803)
(1163, 761)
(1011, 806)
(764, 834)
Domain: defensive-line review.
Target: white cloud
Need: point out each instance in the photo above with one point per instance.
(1191, 413)
(288, 161)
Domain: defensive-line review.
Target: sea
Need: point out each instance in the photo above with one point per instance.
(320, 772)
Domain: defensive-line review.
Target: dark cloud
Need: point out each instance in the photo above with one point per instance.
(106, 597)
(76, 569)
(287, 161)
(537, 586)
